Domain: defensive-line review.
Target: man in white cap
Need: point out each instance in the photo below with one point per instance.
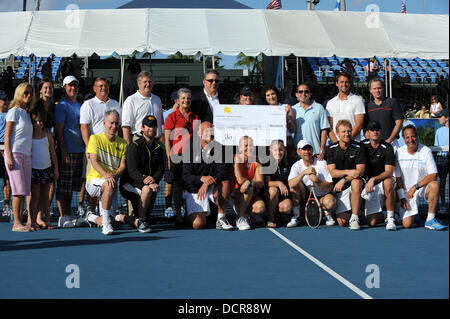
(70, 149)
(306, 172)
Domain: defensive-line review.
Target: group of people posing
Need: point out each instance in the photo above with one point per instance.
(364, 162)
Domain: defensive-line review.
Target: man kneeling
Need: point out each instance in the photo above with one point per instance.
(206, 178)
(106, 152)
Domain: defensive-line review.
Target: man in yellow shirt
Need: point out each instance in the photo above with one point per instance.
(107, 155)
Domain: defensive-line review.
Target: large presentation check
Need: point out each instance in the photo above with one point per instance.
(263, 123)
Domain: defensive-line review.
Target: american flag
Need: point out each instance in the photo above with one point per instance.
(403, 7)
(274, 4)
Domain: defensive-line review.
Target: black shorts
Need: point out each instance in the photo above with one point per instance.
(168, 175)
(177, 171)
(3, 172)
(42, 176)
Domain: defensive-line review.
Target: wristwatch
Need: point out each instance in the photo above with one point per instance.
(417, 186)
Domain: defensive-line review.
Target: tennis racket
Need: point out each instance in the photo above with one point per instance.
(313, 211)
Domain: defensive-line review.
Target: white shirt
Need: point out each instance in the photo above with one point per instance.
(213, 101)
(414, 167)
(22, 133)
(136, 107)
(345, 110)
(92, 113)
(436, 107)
(321, 170)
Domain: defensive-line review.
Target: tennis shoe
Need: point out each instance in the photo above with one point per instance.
(223, 224)
(390, 224)
(329, 220)
(434, 224)
(354, 223)
(107, 229)
(66, 222)
(169, 212)
(293, 223)
(143, 227)
(242, 223)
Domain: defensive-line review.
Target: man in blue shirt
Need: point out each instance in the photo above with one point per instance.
(441, 138)
(70, 149)
(311, 120)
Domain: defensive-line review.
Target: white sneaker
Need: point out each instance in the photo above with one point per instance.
(223, 224)
(293, 223)
(107, 229)
(242, 223)
(390, 224)
(329, 220)
(354, 223)
(65, 222)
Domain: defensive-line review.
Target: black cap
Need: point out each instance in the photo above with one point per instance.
(373, 125)
(246, 91)
(444, 112)
(149, 120)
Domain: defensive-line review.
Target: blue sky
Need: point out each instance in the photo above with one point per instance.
(413, 6)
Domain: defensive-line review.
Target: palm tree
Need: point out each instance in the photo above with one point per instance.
(253, 63)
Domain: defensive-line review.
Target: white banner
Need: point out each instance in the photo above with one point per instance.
(263, 123)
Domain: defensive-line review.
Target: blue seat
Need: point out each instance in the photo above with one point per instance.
(336, 68)
(423, 76)
(428, 69)
(432, 63)
(318, 75)
(413, 77)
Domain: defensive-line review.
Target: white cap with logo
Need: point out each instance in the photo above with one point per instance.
(69, 79)
(303, 143)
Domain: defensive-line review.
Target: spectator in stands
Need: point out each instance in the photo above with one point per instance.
(206, 178)
(349, 68)
(405, 122)
(179, 128)
(248, 185)
(346, 163)
(18, 143)
(107, 153)
(8, 79)
(77, 65)
(203, 102)
(378, 192)
(311, 121)
(345, 106)
(3, 173)
(246, 96)
(47, 69)
(307, 171)
(422, 113)
(43, 174)
(277, 191)
(435, 106)
(384, 110)
(70, 149)
(372, 69)
(168, 176)
(441, 138)
(139, 105)
(144, 170)
(92, 114)
(416, 179)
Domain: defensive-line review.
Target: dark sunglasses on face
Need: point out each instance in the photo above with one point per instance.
(301, 91)
(28, 93)
(211, 81)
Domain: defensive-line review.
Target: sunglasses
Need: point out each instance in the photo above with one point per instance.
(211, 81)
(28, 93)
(301, 91)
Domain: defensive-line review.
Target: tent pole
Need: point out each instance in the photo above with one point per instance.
(385, 76)
(298, 75)
(213, 63)
(122, 67)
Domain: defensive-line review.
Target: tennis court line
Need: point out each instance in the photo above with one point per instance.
(323, 266)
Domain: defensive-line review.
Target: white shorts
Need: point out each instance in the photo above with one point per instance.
(194, 205)
(413, 203)
(375, 200)
(344, 200)
(94, 189)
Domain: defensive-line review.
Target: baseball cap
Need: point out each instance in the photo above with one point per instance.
(149, 120)
(373, 125)
(303, 143)
(69, 79)
(246, 91)
(444, 112)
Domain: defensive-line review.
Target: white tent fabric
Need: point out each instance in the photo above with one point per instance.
(230, 31)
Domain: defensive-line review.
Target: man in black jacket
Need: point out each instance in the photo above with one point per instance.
(203, 103)
(206, 178)
(145, 168)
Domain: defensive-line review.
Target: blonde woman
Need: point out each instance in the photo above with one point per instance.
(18, 142)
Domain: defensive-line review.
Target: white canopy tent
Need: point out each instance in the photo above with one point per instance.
(230, 31)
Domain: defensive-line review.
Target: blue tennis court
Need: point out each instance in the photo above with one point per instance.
(173, 262)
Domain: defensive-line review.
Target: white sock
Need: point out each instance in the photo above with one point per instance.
(296, 211)
(354, 217)
(117, 218)
(390, 214)
(220, 215)
(92, 218)
(430, 216)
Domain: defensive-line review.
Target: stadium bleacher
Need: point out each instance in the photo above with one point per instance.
(33, 66)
